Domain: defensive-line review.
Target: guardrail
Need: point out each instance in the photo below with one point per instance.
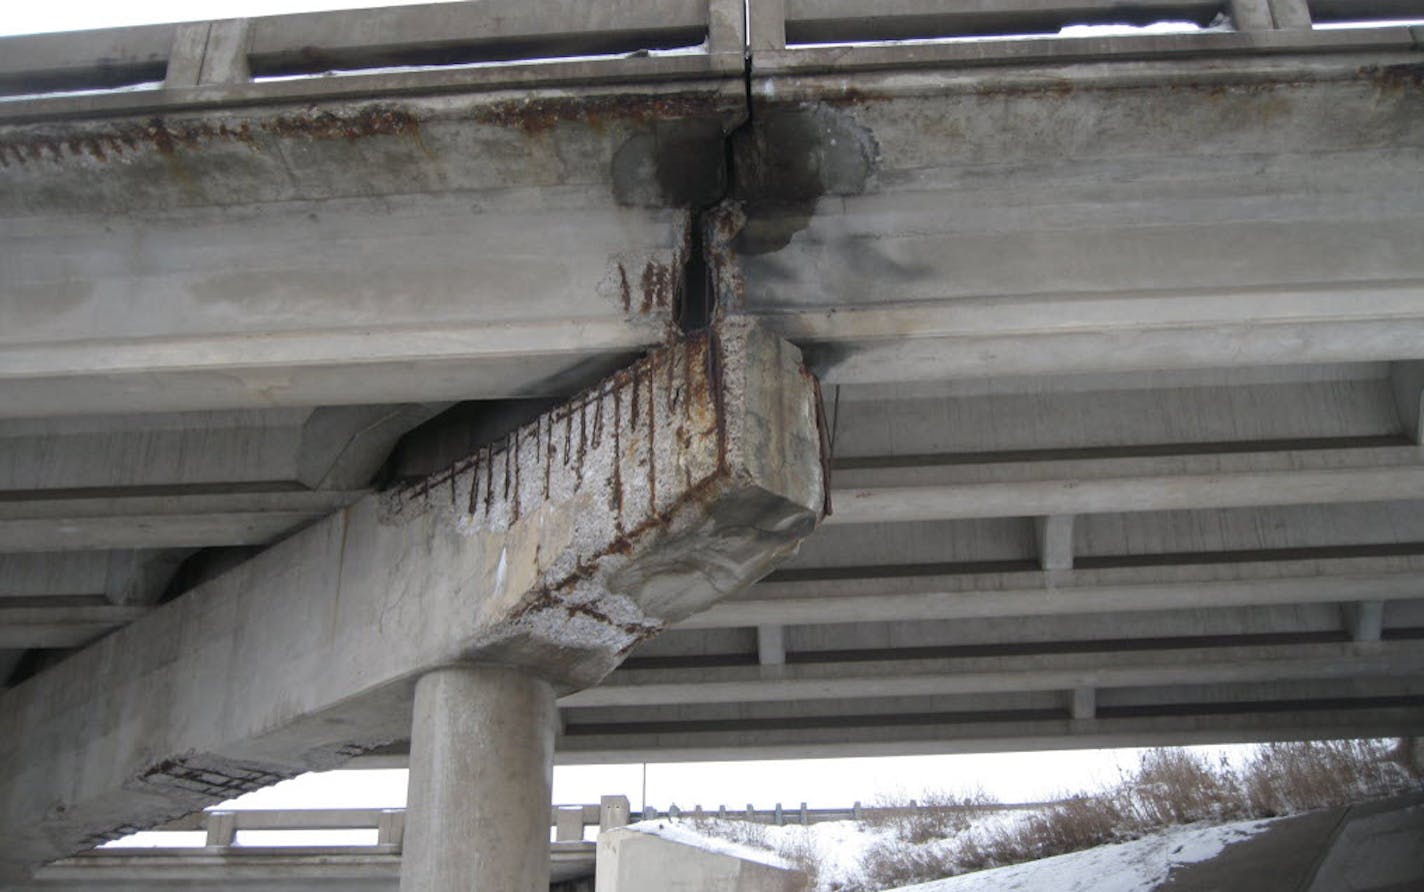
(780, 816)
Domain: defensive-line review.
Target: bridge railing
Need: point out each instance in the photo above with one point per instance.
(610, 39)
(505, 43)
(820, 35)
(780, 816)
(221, 826)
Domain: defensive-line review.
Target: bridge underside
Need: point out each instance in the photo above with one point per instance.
(1120, 346)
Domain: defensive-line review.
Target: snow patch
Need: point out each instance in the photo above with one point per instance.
(681, 833)
(1138, 866)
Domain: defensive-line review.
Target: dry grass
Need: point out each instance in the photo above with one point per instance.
(797, 849)
(937, 835)
(1173, 787)
(935, 815)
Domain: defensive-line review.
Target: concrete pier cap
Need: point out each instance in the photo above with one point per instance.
(670, 485)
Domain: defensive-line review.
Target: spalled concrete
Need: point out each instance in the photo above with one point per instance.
(673, 483)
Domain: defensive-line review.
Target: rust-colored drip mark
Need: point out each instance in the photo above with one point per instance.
(714, 390)
(625, 288)
(583, 444)
(633, 406)
(489, 478)
(615, 496)
(548, 453)
(568, 437)
(518, 435)
(474, 490)
(652, 444)
(657, 286)
(671, 390)
(596, 438)
(507, 469)
(683, 436)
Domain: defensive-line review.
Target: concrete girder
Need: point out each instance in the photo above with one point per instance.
(1056, 220)
(174, 521)
(866, 596)
(132, 578)
(359, 253)
(980, 675)
(674, 483)
(930, 734)
(1179, 483)
(61, 625)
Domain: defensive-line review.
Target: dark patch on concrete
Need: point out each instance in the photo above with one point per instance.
(1408, 76)
(794, 154)
(678, 163)
(786, 159)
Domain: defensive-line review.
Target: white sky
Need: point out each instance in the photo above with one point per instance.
(1011, 777)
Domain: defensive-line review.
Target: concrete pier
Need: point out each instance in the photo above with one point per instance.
(481, 768)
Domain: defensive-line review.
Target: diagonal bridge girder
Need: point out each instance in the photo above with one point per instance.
(669, 485)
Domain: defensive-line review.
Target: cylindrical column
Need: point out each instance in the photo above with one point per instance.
(481, 769)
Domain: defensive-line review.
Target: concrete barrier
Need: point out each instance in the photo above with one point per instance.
(666, 858)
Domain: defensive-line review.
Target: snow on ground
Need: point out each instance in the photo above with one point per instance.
(682, 832)
(841, 846)
(1137, 866)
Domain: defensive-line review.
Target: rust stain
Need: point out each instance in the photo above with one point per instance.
(658, 286)
(375, 121)
(169, 137)
(697, 395)
(549, 453)
(535, 116)
(625, 289)
(652, 443)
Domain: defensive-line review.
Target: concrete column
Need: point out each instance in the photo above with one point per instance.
(481, 770)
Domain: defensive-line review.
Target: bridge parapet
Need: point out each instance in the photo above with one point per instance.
(442, 47)
(434, 47)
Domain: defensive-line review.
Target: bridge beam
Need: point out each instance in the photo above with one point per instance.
(675, 482)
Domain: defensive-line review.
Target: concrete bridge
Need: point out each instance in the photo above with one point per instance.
(472, 362)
